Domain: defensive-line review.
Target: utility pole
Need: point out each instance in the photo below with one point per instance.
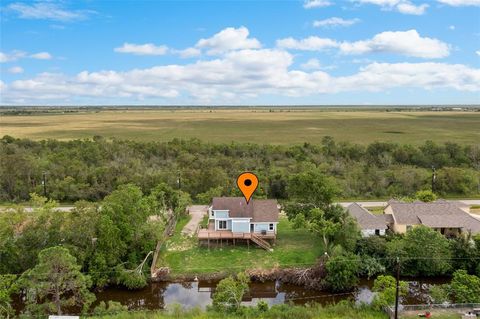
(44, 183)
(434, 177)
(397, 290)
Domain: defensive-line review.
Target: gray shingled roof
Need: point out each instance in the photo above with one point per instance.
(365, 219)
(437, 214)
(260, 210)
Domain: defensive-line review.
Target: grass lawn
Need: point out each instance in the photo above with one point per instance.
(376, 210)
(293, 248)
(258, 125)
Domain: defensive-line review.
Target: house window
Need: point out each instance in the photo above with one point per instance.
(270, 227)
(213, 213)
(222, 224)
(377, 232)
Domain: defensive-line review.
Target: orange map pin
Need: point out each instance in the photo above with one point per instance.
(248, 183)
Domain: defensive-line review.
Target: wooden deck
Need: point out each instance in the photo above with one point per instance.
(205, 234)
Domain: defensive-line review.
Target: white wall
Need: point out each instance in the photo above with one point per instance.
(371, 232)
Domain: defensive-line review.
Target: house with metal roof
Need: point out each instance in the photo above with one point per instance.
(368, 223)
(449, 218)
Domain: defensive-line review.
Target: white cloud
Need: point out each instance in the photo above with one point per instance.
(15, 70)
(459, 3)
(142, 49)
(227, 40)
(477, 52)
(16, 55)
(12, 56)
(237, 75)
(312, 43)
(408, 43)
(402, 6)
(409, 8)
(311, 64)
(335, 21)
(188, 52)
(308, 4)
(47, 11)
(451, 27)
(41, 56)
(314, 64)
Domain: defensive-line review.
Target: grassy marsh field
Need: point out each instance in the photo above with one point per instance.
(282, 126)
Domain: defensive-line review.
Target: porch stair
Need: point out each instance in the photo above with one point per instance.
(260, 242)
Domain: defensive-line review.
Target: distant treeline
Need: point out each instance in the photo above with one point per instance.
(92, 169)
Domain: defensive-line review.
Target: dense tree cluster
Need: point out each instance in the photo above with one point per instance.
(107, 239)
(92, 169)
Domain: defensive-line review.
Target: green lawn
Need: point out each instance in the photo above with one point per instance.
(293, 248)
(376, 210)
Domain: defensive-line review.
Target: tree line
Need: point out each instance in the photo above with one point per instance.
(90, 169)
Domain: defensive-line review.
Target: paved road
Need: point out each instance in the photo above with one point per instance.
(344, 204)
(30, 209)
(197, 212)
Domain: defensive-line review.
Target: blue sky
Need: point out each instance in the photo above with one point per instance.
(240, 52)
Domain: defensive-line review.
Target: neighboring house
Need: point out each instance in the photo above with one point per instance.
(368, 223)
(449, 218)
(232, 218)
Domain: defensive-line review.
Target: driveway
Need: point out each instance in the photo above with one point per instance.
(197, 212)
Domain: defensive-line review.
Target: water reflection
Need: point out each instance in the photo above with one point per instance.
(199, 294)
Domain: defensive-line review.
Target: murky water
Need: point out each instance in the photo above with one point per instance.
(199, 294)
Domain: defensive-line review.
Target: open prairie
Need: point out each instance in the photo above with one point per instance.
(251, 125)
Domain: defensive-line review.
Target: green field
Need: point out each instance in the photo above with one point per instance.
(293, 248)
(282, 126)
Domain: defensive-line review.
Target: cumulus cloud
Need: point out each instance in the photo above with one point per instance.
(459, 3)
(335, 22)
(15, 70)
(12, 56)
(312, 43)
(188, 52)
(311, 64)
(17, 54)
(309, 4)
(477, 52)
(239, 74)
(142, 49)
(408, 43)
(314, 64)
(46, 10)
(41, 56)
(227, 40)
(402, 6)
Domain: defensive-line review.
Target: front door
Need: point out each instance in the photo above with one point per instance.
(252, 228)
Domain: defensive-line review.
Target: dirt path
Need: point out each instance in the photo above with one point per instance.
(197, 212)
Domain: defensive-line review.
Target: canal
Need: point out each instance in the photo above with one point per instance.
(199, 294)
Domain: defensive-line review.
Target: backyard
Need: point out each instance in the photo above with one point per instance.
(294, 247)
